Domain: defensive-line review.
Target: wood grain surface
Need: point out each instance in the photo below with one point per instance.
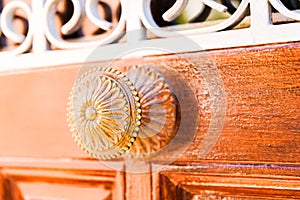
(246, 145)
(261, 87)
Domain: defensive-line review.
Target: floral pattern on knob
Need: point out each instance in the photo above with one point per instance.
(104, 113)
(159, 108)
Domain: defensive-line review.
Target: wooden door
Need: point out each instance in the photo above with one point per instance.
(249, 149)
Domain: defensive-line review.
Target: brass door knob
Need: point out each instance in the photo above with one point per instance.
(112, 112)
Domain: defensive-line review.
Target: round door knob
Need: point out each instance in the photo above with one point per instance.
(104, 113)
(112, 112)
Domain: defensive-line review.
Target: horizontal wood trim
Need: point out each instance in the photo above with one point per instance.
(262, 113)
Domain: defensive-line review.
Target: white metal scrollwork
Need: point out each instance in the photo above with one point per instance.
(81, 9)
(10, 32)
(279, 6)
(136, 15)
(150, 24)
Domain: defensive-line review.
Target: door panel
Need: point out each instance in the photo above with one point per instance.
(59, 179)
(228, 181)
(249, 149)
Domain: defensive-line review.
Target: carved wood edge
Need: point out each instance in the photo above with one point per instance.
(9, 189)
(224, 180)
(16, 178)
(195, 186)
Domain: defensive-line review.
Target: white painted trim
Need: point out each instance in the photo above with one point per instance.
(224, 39)
(136, 19)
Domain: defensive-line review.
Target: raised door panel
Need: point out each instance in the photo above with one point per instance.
(59, 179)
(227, 181)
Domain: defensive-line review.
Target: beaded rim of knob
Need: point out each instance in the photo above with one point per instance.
(103, 113)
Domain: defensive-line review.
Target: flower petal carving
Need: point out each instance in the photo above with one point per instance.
(158, 105)
(102, 113)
